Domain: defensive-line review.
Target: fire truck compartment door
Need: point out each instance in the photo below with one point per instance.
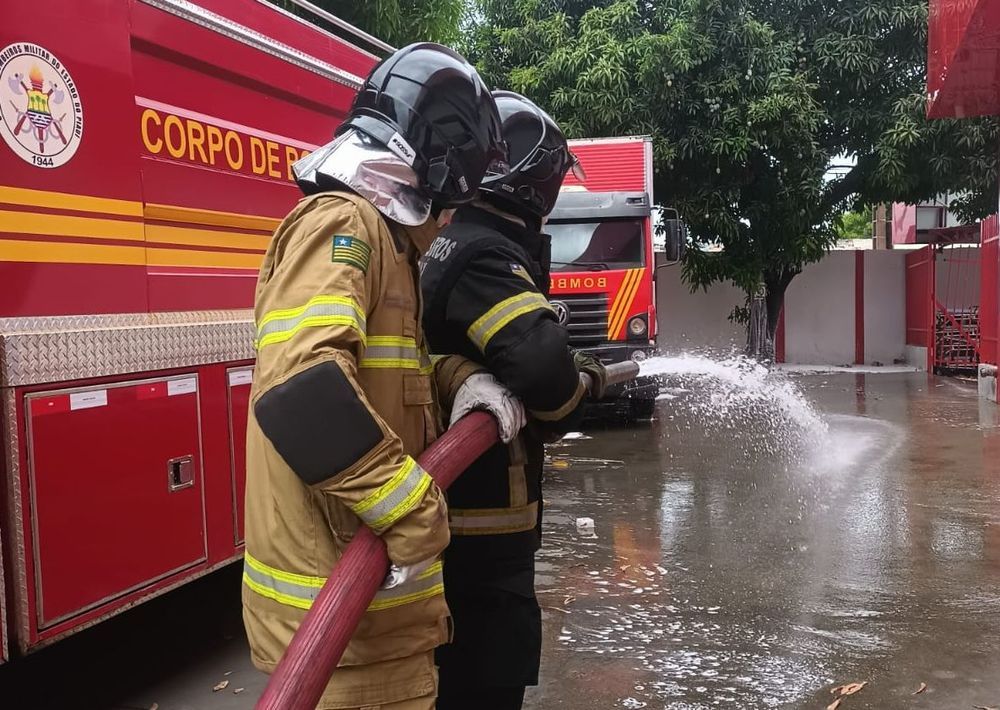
(239, 381)
(117, 504)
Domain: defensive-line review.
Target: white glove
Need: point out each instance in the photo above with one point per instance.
(401, 575)
(483, 391)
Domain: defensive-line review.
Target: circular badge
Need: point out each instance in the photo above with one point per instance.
(41, 115)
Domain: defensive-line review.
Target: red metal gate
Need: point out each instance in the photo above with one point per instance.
(920, 301)
(944, 283)
(956, 307)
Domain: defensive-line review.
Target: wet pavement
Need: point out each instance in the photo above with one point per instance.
(725, 571)
(725, 575)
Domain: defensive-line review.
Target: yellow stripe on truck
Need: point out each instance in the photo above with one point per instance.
(212, 218)
(70, 252)
(205, 237)
(58, 225)
(69, 201)
(623, 301)
(629, 300)
(158, 256)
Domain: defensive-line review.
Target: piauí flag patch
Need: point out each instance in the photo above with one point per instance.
(351, 250)
(522, 272)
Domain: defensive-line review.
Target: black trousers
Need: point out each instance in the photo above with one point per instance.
(496, 648)
(467, 698)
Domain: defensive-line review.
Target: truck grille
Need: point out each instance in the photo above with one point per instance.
(588, 318)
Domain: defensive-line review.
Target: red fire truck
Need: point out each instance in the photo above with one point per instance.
(603, 283)
(145, 161)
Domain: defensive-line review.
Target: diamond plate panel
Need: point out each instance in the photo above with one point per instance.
(19, 614)
(60, 348)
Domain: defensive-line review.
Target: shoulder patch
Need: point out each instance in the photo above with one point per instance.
(351, 250)
(522, 272)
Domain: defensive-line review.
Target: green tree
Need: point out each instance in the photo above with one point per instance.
(854, 224)
(748, 102)
(398, 22)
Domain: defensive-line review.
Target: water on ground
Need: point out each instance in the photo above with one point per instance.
(733, 567)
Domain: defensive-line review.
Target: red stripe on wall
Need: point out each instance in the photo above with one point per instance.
(859, 307)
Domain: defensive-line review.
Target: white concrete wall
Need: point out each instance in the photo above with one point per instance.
(696, 321)
(885, 306)
(819, 313)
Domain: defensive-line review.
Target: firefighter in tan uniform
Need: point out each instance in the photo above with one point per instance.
(343, 400)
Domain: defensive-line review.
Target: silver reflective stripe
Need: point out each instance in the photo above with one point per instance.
(427, 585)
(391, 352)
(395, 498)
(284, 591)
(493, 522)
(316, 310)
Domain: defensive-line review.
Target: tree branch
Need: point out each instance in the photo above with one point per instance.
(848, 185)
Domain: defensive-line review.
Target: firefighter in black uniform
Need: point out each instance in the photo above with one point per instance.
(485, 280)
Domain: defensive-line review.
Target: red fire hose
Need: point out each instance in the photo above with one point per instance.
(311, 658)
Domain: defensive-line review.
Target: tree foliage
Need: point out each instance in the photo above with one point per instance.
(398, 22)
(748, 101)
(854, 224)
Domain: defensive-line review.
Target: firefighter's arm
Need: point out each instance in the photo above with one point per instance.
(508, 320)
(450, 372)
(311, 334)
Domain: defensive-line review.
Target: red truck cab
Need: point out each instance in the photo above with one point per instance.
(603, 285)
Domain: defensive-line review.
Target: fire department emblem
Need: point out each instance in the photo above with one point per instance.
(41, 115)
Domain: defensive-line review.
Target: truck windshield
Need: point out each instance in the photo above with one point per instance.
(605, 244)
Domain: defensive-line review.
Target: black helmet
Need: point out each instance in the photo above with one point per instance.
(428, 105)
(539, 157)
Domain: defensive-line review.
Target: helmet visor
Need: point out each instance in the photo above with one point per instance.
(546, 163)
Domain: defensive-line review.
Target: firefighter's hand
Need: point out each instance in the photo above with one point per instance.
(401, 575)
(483, 391)
(592, 367)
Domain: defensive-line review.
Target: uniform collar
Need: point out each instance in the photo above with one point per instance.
(534, 243)
(421, 235)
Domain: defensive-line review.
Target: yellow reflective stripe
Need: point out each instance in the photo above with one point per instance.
(563, 411)
(395, 498)
(397, 353)
(388, 363)
(280, 325)
(291, 577)
(287, 588)
(491, 322)
(300, 591)
(401, 341)
(429, 583)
